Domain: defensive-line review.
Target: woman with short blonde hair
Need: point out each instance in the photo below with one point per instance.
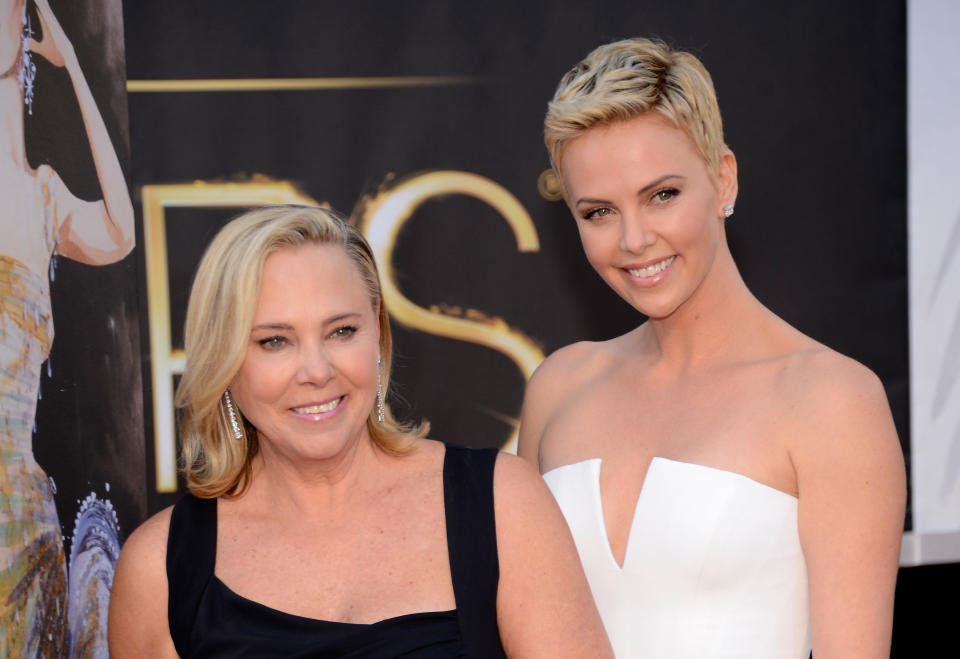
(734, 488)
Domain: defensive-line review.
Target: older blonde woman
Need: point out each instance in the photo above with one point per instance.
(735, 488)
(318, 525)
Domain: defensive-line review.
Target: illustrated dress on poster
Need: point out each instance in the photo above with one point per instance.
(42, 614)
(32, 562)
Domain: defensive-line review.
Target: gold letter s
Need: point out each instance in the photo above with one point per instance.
(381, 220)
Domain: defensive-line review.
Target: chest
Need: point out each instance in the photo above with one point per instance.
(740, 423)
(373, 564)
(635, 417)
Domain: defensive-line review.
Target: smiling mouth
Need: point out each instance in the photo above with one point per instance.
(651, 270)
(318, 409)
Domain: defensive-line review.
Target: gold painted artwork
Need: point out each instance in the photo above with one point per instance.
(32, 564)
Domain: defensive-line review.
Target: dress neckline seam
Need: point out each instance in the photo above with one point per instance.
(694, 465)
(597, 502)
(248, 601)
(322, 621)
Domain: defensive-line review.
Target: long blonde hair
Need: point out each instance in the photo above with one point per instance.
(219, 316)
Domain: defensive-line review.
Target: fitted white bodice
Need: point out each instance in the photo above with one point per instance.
(713, 565)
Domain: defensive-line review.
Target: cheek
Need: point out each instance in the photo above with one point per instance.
(260, 381)
(359, 365)
(595, 245)
(699, 226)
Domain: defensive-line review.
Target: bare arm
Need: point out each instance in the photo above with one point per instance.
(138, 626)
(544, 605)
(852, 488)
(91, 232)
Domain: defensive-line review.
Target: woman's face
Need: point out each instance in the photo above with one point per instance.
(309, 377)
(647, 209)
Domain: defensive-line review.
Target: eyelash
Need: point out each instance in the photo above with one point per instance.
(595, 213)
(277, 342)
(671, 192)
(661, 196)
(344, 332)
(272, 342)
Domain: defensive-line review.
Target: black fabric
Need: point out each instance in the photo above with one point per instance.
(191, 557)
(472, 543)
(207, 619)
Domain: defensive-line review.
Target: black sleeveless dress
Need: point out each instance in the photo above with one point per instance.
(207, 619)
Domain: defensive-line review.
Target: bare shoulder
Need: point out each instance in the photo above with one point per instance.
(841, 417)
(835, 391)
(567, 367)
(561, 375)
(149, 540)
(138, 600)
(427, 453)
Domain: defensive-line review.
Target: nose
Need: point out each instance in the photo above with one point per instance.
(315, 367)
(635, 236)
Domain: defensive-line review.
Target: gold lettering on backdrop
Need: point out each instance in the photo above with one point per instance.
(166, 362)
(381, 220)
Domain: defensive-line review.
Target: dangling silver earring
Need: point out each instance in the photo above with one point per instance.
(27, 71)
(380, 410)
(727, 211)
(232, 414)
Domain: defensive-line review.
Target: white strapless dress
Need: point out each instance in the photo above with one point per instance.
(713, 566)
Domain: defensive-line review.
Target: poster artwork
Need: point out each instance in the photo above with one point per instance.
(55, 570)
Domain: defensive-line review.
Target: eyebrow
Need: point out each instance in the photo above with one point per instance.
(287, 326)
(649, 186)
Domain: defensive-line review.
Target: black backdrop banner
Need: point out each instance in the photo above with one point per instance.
(424, 121)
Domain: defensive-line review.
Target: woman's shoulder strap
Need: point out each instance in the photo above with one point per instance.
(472, 546)
(191, 558)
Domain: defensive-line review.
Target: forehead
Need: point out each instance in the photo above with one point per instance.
(309, 280)
(647, 145)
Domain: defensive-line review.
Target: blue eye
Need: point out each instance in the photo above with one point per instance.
(343, 332)
(596, 213)
(272, 342)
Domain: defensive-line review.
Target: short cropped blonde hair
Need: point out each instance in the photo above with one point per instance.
(624, 79)
(219, 316)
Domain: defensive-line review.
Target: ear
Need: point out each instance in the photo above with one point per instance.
(727, 186)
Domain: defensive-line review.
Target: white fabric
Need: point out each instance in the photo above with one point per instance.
(713, 566)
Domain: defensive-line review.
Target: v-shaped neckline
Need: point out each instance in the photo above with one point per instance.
(597, 498)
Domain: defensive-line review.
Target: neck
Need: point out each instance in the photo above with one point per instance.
(314, 488)
(712, 325)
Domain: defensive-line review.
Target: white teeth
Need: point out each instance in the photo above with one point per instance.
(318, 409)
(651, 270)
